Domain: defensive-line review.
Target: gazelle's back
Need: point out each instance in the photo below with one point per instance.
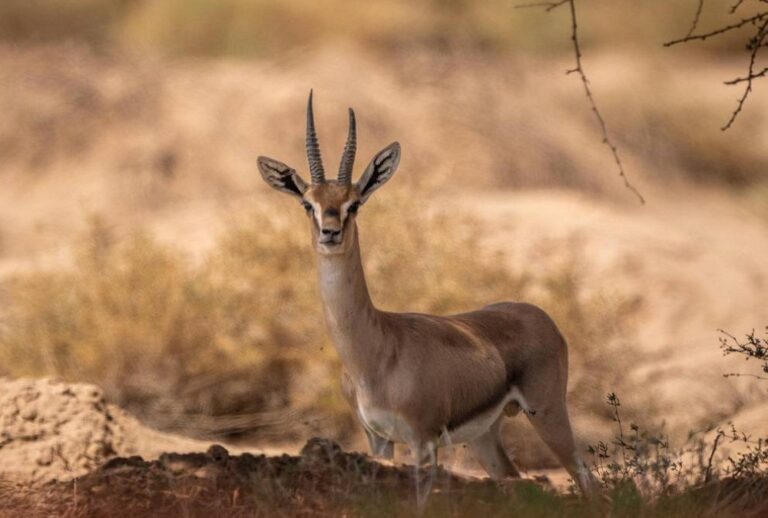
(519, 333)
(508, 344)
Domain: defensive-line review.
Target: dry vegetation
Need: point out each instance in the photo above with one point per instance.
(262, 27)
(236, 346)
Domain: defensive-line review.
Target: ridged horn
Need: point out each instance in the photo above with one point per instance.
(350, 148)
(313, 147)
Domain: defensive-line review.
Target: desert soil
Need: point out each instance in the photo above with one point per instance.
(65, 451)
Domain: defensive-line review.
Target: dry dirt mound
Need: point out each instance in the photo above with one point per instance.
(52, 430)
(322, 480)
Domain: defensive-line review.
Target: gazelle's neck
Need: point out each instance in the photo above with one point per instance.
(349, 312)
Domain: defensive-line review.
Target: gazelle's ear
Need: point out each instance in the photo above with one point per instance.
(281, 177)
(381, 169)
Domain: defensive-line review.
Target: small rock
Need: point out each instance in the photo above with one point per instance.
(319, 449)
(45, 457)
(217, 453)
(28, 413)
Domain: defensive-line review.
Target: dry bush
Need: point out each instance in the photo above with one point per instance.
(715, 472)
(44, 20)
(236, 344)
(238, 27)
(132, 317)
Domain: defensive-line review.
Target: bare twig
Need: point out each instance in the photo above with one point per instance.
(590, 98)
(745, 375)
(719, 31)
(738, 80)
(548, 6)
(708, 472)
(697, 17)
(579, 70)
(753, 348)
(735, 6)
(756, 44)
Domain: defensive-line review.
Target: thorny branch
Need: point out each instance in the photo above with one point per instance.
(548, 6)
(734, 7)
(718, 32)
(579, 70)
(754, 44)
(697, 17)
(753, 347)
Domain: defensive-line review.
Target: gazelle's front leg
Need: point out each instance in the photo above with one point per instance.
(380, 447)
(424, 453)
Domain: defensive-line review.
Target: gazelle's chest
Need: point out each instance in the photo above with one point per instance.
(381, 418)
(387, 424)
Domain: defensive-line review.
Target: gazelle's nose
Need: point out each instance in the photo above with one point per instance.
(331, 232)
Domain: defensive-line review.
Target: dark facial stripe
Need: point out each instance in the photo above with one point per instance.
(331, 213)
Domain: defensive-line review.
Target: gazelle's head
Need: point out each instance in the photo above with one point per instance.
(332, 205)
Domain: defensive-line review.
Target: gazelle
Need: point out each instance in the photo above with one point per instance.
(427, 380)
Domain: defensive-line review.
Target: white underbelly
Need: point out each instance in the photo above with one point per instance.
(392, 426)
(481, 423)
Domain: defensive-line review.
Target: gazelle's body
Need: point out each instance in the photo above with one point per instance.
(428, 380)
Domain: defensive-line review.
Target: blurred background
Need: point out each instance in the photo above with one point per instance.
(141, 251)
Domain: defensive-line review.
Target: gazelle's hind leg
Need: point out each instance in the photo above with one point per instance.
(553, 426)
(490, 453)
(380, 447)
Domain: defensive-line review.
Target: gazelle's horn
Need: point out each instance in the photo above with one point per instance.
(350, 148)
(313, 147)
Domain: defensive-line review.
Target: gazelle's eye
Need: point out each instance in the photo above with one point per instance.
(352, 209)
(307, 206)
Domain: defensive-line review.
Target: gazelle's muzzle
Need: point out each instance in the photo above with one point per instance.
(330, 236)
(331, 228)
